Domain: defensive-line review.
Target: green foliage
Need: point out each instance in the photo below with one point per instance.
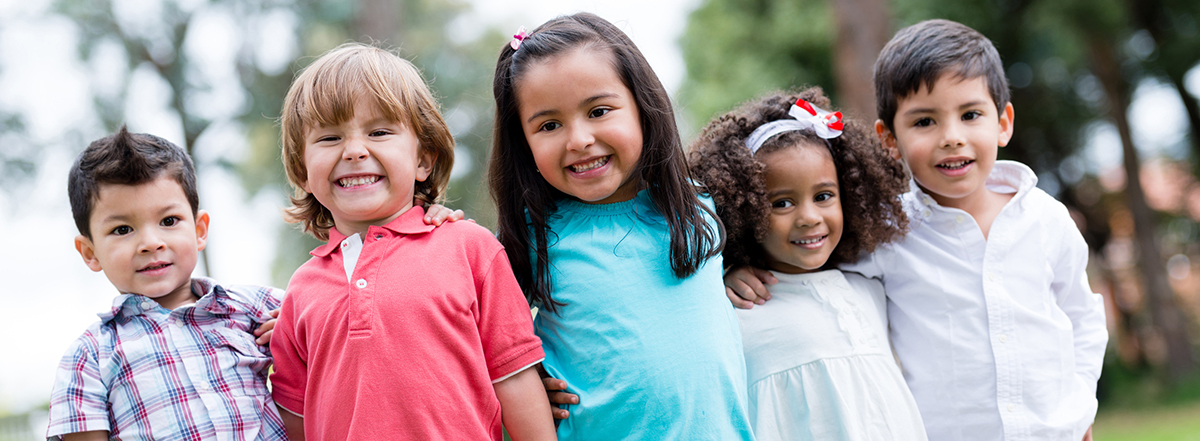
(738, 49)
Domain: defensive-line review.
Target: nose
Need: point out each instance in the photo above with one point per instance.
(952, 135)
(807, 215)
(355, 150)
(151, 242)
(581, 137)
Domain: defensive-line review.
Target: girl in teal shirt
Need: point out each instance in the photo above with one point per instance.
(603, 227)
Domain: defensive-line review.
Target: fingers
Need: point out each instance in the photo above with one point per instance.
(553, 384)
(559, 414)
(437, 214)
(456, 215)
(746, 285)
(736, 300)
(265, 339)
(554, 392)
(765, 277)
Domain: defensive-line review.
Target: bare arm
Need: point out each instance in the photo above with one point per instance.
(91, 435)
(292, 423)
(524, 408)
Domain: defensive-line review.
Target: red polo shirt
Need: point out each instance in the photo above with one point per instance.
(410, 348)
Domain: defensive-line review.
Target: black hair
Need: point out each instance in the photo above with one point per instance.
(920, 54)
(126, 159)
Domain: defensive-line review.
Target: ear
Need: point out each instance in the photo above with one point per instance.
(1006, 125)
(887, 139)
(88, 252)
(201, 229)
(425, 160)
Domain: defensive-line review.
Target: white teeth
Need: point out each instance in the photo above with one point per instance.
(357, 181)
(808, 241)
(954, 165)
(599, 162)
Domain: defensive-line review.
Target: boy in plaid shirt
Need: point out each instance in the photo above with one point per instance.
(175, 357)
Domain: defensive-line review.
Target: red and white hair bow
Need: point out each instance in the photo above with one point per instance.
(518, 38)
(806, 116)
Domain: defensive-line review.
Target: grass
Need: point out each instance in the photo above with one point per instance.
(1168, 423)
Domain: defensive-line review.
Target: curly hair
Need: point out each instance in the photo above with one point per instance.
(870, 181)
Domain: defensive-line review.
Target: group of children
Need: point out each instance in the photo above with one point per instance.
(918, 288)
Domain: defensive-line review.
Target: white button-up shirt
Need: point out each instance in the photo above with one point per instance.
(999, 338)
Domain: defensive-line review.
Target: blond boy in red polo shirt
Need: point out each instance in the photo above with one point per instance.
(394, 329)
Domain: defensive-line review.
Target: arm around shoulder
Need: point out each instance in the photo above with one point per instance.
(524, 408)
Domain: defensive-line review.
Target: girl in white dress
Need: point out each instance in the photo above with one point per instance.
(800, 191)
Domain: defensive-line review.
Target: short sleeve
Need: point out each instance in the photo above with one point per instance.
(78, 402)
(290, 377)
(505, 322)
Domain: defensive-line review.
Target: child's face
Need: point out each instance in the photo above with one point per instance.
(365, 169)
(145, 239)
(948, 136)
(582, 126)
(805, 223)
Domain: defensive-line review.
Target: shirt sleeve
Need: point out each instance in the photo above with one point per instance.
(78, 402)
(290, 375)
(1085, 308)
(505, 323)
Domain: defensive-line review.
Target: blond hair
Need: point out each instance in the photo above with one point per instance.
(323, 94)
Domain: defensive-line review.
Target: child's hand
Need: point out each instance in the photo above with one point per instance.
(746, 286)
(436, 214)
(555, 393)
(265, 330)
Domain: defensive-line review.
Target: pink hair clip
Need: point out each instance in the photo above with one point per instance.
(520, 36)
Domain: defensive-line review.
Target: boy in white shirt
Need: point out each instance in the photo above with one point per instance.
(991, 316)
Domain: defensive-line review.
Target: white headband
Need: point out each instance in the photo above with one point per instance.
(806, 116)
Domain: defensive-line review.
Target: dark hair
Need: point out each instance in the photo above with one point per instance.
(870, 181)
(324, 93)
(126, 159)
(919, 54)
(524, 199)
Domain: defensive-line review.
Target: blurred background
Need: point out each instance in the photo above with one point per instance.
(1105, 93)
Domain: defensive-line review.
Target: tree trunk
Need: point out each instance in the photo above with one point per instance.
(1167, 318)
(1193, 113)
(862, 30)
(378, 20)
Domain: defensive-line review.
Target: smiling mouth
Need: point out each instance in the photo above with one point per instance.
(590, 165)
(810, 241)
(955, 165)
(154, 267)
(357, 181)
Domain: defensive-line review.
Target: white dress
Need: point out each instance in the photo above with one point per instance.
(819, 364)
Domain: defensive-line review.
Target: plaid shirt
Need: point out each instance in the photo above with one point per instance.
(194, 373)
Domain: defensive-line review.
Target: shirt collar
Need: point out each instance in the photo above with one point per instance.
(411, 222)
(1006, 176)
(213, 299)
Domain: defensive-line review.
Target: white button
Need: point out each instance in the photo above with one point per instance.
(959, 219)
(178, 323)
(148, 305)
(1003, 338)
(361, 283)
(927, 201)
(1011, 407)
(926, 212)
(991, 277)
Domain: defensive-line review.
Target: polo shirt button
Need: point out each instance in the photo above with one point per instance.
(361, 283)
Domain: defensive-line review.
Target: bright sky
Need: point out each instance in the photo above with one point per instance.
(49, 295)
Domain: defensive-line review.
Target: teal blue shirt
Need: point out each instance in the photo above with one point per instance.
(650, 355)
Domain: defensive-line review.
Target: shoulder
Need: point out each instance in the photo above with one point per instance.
(251, 296)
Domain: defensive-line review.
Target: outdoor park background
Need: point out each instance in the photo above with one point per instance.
(1105, 93)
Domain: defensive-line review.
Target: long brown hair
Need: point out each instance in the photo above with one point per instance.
(524, 199)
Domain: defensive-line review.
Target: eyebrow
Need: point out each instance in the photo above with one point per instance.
(966, 105)
(125, 218)
(585, 102)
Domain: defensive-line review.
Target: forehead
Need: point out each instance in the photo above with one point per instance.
(565, 77)
(949, 89)
(150, 195)
(800, 166)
